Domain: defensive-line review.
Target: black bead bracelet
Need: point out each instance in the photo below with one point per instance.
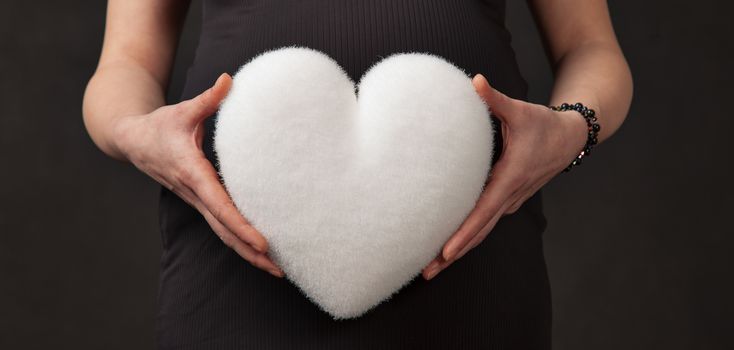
(592, 136)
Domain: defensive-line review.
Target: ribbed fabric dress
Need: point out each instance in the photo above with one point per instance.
(495, 297)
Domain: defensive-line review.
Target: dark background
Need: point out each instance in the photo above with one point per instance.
(639, 238)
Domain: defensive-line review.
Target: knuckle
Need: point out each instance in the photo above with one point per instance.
(186, 176)
(189, 171)
(217, 211)
(518, 181)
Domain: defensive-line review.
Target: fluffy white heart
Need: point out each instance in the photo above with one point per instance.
(354, 195)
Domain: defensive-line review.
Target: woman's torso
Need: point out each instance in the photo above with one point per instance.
(494, 297)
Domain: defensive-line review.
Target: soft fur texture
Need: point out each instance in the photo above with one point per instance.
(355, 196)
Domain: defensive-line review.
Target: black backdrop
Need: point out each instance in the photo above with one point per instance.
(638, 243)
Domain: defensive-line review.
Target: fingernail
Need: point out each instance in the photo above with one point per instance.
(432, 273)
(219, 79)
(276, 272)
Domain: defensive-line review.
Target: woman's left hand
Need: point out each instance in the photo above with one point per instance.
(538, 144)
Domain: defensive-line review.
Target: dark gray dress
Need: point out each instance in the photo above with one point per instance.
(495, 297)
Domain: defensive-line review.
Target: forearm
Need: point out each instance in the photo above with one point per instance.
(117, 90)
(135, 64)
(588, 63)
(597, 75)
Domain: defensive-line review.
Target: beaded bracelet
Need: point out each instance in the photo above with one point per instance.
(594, 127)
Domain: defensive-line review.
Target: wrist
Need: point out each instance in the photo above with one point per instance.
(118, 138)
(576, 131)
(590, 132)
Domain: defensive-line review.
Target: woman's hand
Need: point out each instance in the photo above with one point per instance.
(538, 144)
(166, 145)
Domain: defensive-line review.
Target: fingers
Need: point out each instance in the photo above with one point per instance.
(509, 206)
(498, 190)
(181, 166)
(202, 178)
(256, 258)
(441, 263)
(509, 185)
(481, 235)
(206, 104)
(231, 240)
(206, 186)
(512, 208)
(432, 269)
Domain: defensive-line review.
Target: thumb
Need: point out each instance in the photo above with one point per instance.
(500, 105)
(205, 104)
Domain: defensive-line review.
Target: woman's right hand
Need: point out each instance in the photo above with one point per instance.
(166, 145)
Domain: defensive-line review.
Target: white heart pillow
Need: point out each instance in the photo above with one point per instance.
(354, 195)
